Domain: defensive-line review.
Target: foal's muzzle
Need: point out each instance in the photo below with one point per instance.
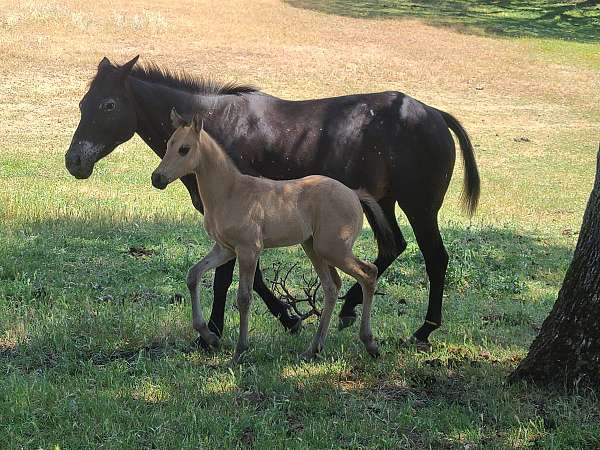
(159, 181)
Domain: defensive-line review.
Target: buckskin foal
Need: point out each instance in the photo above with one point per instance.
(244, 215)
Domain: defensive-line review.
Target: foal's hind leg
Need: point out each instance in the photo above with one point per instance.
(354, 295)
(215, 258)
(366, 275)
(330, 282)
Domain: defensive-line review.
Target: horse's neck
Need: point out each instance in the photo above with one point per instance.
(216, 175)
(154, 103)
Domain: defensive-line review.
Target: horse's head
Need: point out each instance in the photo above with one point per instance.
(183, 151)
(108, 118)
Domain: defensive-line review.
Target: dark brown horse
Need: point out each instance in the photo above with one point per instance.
(397, 148)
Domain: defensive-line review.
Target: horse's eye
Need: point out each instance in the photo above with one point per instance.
(109, 106)
(184, 149)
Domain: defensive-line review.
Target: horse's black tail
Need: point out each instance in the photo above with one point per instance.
(471, 183)
(380, 225)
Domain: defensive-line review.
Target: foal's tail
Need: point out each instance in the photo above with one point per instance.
(471, 184)
(380, 225)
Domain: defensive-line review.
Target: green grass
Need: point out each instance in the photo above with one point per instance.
(570, 20)
(95, 351)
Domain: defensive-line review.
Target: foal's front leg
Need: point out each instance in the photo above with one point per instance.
(221, 283)
(247, 260)
(215, 258)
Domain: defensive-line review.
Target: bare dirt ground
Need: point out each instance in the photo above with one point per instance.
(50, 50)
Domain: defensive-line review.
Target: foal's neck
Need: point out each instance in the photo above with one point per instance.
(216, 174)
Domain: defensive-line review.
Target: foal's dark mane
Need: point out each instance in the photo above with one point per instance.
(182, 80)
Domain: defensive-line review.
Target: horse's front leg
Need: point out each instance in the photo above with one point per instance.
(215, 258)
(221, 283)
(278, 308)
(247, 261)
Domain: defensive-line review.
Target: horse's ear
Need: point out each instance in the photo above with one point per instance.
(126, 68)
(198, 123)
(176, 119)
(104, 63)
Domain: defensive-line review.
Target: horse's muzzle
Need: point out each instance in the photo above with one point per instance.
(76, 168)
(159, 181)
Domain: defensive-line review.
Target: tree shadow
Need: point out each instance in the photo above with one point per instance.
(121, 270)
(576, 21)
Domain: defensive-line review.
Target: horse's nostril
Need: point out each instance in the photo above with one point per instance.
(73, 160)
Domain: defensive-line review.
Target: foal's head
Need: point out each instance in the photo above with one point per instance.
(183, 151)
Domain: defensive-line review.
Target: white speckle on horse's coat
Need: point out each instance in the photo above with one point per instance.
(89, 150)
(372, 113)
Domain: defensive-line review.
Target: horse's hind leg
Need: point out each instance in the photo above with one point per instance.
(330, 282)
(427, 232)
(215, 258)
(366, 275)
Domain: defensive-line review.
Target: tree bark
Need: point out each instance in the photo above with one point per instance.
(567, 349)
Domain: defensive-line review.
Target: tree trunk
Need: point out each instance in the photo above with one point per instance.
(567, 350)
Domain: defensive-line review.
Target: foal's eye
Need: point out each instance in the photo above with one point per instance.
(109, 106)
(184, 149)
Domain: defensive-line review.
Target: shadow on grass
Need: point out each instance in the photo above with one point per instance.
(86, 270)
(570, 20)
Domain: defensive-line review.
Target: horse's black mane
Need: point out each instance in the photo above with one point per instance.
(182, 80)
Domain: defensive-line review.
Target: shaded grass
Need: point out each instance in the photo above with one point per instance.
(96, 347)
(571, 20)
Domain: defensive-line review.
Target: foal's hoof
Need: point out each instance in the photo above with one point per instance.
(414, 342)
(346, 321)
(210, 343)
(238, 355)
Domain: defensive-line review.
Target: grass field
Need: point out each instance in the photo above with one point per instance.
(96, 349)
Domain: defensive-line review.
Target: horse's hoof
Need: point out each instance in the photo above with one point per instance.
(419, 345)
(346, 321)
(296, 327)
(237, 357)
(373, 350)
(308, 356)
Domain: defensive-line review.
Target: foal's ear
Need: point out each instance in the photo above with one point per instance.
(176, 119)
(126, 68)
(104, 63)
(198, 123)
